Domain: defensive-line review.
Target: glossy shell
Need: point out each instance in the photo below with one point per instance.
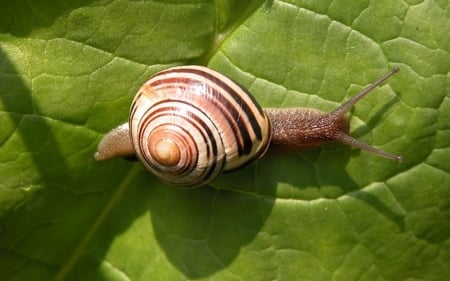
(188, 124)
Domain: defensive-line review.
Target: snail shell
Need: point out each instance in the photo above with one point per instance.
(188, 124)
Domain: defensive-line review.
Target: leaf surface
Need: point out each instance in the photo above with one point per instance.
(68, 73)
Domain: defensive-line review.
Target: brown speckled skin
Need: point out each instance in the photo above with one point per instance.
(295, 129)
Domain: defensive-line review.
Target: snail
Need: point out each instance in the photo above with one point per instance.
(188, 124)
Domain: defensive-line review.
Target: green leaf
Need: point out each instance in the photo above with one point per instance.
(68, 73)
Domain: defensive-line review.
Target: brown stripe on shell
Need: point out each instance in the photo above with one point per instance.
(232, 88)
(200, 126)
(221, 91)
(231, 115)
(229, 111)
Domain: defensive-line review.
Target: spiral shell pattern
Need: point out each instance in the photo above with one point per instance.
(188, 124)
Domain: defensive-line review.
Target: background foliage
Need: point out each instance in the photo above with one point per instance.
(68, 72)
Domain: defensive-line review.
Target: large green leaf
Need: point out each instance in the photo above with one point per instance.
(68, 72)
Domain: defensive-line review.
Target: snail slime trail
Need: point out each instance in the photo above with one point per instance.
(189, 124)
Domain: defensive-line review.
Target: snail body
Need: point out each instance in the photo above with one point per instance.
(189, 124)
